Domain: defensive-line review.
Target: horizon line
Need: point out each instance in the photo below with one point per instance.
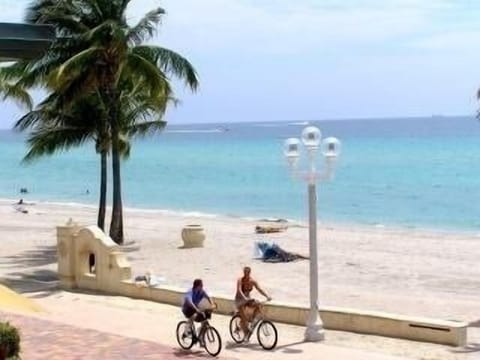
(386, 118)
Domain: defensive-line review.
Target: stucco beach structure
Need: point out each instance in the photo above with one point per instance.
(24, 42)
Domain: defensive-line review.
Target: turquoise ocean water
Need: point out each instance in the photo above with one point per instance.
(416, 173)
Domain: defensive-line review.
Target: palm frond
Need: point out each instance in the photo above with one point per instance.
(146, 27)
(77, 89)
(28, 120)
(35, 11)
(170, 62)
(104, 33)
(36, 72)
(85, 114)
(77, 64)
(47, 141)
(93, 10)
(123, 6)
(153, 77)
(124, 146)
(145, 128)
(14, 71)
(47, 114)
(16, 93)
(66, 23)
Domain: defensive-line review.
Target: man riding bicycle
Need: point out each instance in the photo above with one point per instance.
(192, 299)
(247, 307)
(195, 309)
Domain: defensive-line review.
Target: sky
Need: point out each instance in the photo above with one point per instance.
(269, 60)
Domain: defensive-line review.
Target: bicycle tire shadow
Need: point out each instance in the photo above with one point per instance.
(469, 348)
(192, 354)
(284, 348)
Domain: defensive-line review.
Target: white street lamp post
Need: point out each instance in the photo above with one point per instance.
(330, 148)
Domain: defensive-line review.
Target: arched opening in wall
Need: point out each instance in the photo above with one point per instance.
(91, 263)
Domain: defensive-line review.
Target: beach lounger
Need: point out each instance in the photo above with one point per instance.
(266, 228)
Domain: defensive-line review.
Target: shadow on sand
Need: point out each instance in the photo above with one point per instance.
(285, 348)
(42, 282)
(475, 323)
(192, 354)
(40, 256)
(28, 278)
(467, 349)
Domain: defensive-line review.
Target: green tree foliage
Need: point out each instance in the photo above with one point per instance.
(9, 342)
(104, 83)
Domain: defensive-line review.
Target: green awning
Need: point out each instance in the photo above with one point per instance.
(21, 41)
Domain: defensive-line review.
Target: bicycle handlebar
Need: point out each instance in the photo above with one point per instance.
(211, 308)
(264, 301)
(257, 302)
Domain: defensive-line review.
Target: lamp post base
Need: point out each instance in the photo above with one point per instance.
(314, 331)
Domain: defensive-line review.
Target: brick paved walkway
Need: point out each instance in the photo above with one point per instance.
(42, 340)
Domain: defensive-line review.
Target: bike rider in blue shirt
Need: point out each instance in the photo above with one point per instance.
(191, 301)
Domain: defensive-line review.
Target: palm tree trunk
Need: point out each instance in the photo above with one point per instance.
(116, 225)
(102, 207)
(111, 100)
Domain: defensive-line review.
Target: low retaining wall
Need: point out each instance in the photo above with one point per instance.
(334, 318)
(111, 274)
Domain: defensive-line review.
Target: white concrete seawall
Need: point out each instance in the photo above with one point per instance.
(88, 259)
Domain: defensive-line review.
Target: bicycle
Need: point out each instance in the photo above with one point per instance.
(267, 334)
(207, 336)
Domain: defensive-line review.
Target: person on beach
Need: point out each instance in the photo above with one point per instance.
(247, 307)
(19, 206)
(192, 299)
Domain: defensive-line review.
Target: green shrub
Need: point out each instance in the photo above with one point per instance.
(9, 341)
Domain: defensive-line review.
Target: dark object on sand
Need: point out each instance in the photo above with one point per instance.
(274, 253)
(141, 278)
(20, 209)
(267, 226)
(267, 229)
(274, 220)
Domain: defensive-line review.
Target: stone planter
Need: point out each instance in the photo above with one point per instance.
(193, 236)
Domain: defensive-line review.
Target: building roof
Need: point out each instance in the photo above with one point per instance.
(22, 41)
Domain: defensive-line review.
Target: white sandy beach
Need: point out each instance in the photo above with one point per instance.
(400, 271)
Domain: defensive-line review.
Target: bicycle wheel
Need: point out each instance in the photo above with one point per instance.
(236, 331)
(185, 335)
(267, 335)
(212, 341)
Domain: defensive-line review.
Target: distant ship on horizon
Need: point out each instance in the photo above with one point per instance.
(219, 129)
(299, 123)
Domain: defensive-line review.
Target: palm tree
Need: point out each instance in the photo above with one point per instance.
(62, 128)
(53, 129)
(115, 50)
(95, 50)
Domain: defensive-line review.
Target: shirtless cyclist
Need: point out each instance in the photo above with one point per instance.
(243, 301)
